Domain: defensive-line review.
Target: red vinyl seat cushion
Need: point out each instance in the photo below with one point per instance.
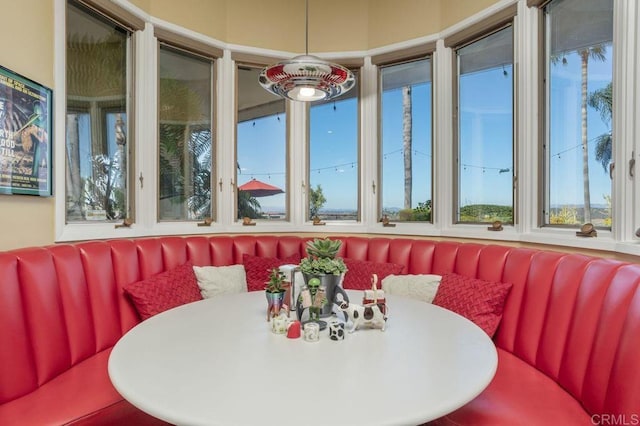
(519, 395)
(80, 395)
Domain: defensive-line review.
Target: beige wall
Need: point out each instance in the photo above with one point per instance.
(142, 4)
(208, 17)
(338, 25)
(454, 11)
(275, 24)
(27, 50)
(395, 21)
(334, 25)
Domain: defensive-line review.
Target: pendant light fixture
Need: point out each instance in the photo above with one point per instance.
(305, 77)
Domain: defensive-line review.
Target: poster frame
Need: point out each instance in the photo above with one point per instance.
(26, 113)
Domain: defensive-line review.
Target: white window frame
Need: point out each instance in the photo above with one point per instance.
(365, 193)
(257, 62)
(533, 44)
(445, 74)
(81, 231)
(426, 52)
(205, 55)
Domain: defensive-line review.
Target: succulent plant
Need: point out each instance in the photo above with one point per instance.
(322, 248)
(322, 258)
(276, 281)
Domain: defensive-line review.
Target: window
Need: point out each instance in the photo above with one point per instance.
(484, 129)
(97, 117)
(579, 144)
(185, 132)
(333, 158)
(261, 149)
(406, 141)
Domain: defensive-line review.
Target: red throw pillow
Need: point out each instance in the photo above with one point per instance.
(359, 272)
(477, 300)
(164, 291)
(257, 268)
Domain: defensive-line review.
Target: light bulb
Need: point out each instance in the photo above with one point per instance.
(307, 92)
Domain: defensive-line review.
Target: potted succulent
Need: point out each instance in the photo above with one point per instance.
(276, 282)
(275, 290)
(322, 258)
(322, 262)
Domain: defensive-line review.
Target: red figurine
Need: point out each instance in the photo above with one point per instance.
(293, 331)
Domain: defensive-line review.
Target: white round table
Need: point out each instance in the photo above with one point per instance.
(216, 362)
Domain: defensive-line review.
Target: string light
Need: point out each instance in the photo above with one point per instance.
(416, 152)
(557, 154)
(340, 167)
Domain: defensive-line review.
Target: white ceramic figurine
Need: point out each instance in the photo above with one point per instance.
(364, 315)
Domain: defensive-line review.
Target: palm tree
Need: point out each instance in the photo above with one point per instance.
(101, 190)
(594, 52)
(185, 174)
(185, 149)
(248, 206)
(406, 144)
(602, 101)
(199, 201)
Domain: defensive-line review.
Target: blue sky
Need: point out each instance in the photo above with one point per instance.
(486, 137)
(334, 152)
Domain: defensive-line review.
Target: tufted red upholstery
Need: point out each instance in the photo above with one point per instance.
(568, 342)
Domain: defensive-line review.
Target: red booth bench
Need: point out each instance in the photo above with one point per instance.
(568, 344)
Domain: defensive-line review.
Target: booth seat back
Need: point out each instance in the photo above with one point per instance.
(62, 304)
(575, 318)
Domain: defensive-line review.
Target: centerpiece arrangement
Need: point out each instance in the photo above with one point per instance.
(323, 268)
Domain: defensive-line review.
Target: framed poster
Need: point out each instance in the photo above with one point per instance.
(25, 131)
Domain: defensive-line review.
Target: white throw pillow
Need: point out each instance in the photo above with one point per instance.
(217, 280)
(422, 287)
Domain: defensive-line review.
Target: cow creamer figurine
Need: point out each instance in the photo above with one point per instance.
(364, 315)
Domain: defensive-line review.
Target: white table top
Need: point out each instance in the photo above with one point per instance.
(216, 362)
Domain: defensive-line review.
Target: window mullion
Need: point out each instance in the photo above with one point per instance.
(225, 157)
(146, 91)
(443, 137)
(369, 179)
(625, 190)
(527, 172)
(298, 174)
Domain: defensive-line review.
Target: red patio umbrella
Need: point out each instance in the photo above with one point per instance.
(260, 189)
